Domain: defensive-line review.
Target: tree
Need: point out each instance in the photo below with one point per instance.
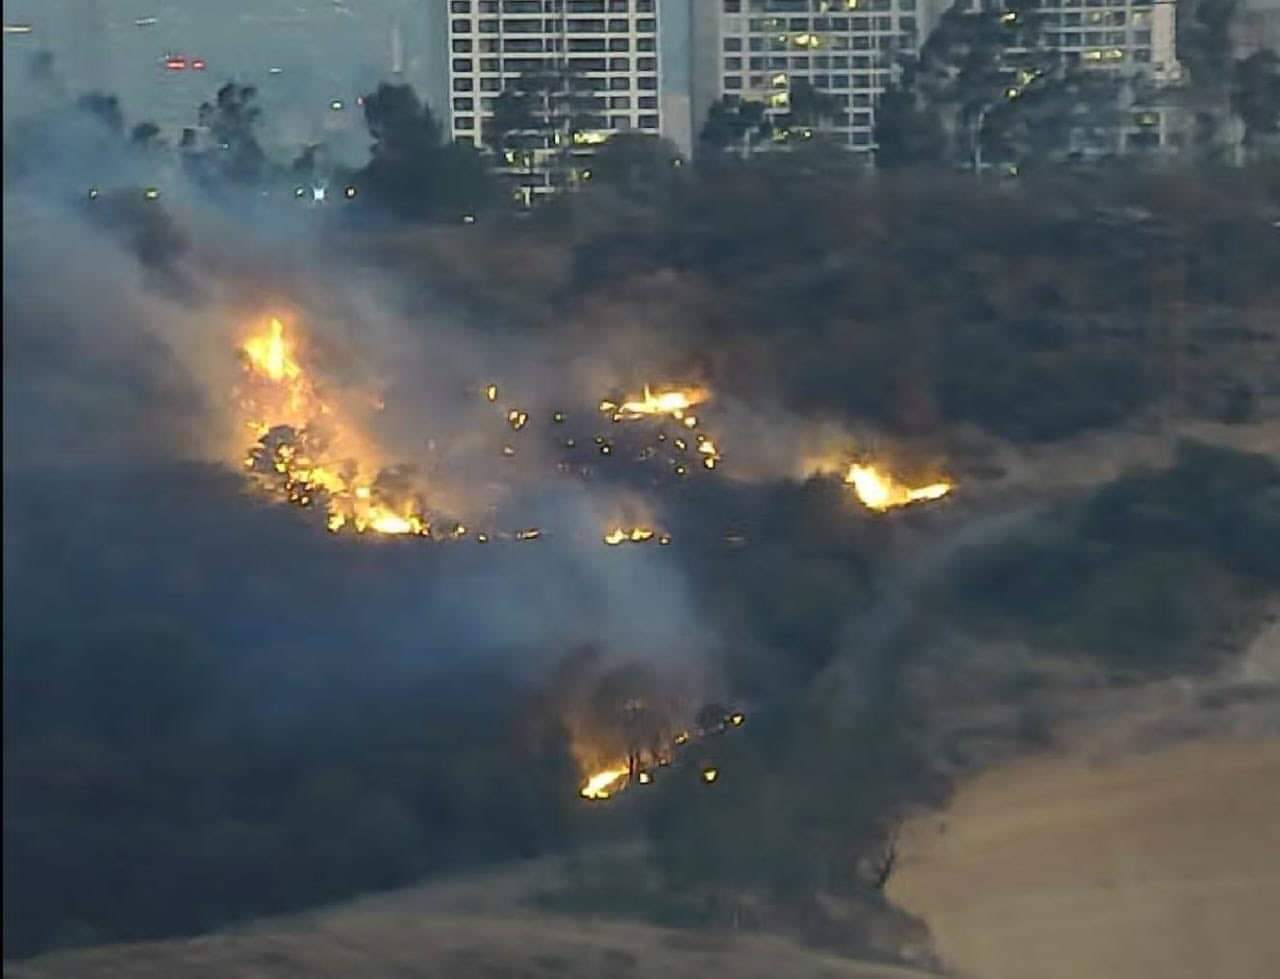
(411, 172)
(231, 120)
(970, 67)
(105, 108)
(1204, 41)
(1255, 96)
(144, 134)
(809, 107)
(540, 119)
(639, 166)
(907, 133)
(735, 124)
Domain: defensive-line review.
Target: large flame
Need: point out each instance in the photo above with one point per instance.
(880, 491)
(271, 355)
(313, 454)
(604, 783)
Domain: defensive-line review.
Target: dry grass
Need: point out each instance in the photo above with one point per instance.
(1163, 865)
(469, 927)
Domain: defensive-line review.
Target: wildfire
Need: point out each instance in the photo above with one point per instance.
(674, 403)
(603, 784)
(634, 535)
(271, 355)
(880, 491)
(311, 454)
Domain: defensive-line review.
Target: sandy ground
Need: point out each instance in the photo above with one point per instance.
(470, 927)
(1163, 865)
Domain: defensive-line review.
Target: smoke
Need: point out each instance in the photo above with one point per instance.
(120, 377)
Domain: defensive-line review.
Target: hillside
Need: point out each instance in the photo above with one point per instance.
(461, 928)
(1164, 865)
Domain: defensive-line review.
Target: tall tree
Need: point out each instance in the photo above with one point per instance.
(1255, 97)
(231, 121)
(411, 172)
(735, 126)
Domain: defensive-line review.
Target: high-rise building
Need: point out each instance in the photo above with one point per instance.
(588, 69)
(1126, 37)
(761, 50)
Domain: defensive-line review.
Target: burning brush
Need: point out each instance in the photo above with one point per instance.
(878, 490)
(311, 454)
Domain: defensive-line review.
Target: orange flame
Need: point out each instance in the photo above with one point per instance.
(603, 784)
(880, 491)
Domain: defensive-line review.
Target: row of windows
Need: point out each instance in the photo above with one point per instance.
(1058, 4)
(586, 64)
(588, 83)
(1056, 38)
(800, 61)
(572, 25)
(552, 6)
(536, 25)
(496, 83)
(803, 6)
(870, 81)
(1071, 39)
(644, 102)
(488, 45)
(600, 122)
(838, 42)
(1100, 18)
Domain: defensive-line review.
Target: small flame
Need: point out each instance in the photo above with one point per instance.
(880, 491)
(602, 784)
(674, 403)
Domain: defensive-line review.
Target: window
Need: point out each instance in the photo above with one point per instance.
(463, 85)
(619, 84)
(649, 122)
(648, 102)
(460, 7)
(620, 102)
(649, 64)
(461, 45)
(463, 64)
(464, 105)
(733, 44)
(619, 44)
(646, 44)
(649, 83)
(733, 64)
(460, 26)
(491, 84)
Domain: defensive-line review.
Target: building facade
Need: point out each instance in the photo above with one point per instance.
(848, 49)
(1126, 37)
(602, 55)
